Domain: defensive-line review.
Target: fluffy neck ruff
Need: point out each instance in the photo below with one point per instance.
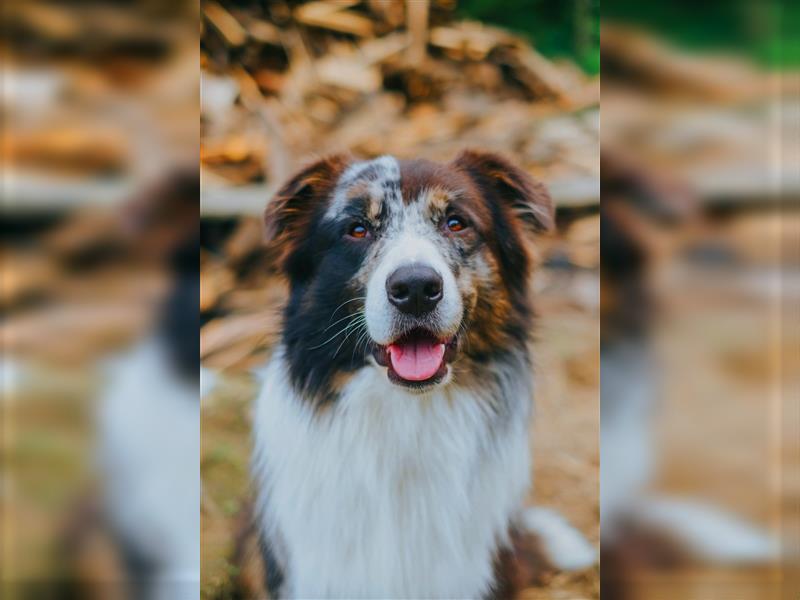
(385, 493)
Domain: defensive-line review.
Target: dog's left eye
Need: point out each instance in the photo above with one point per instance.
(455, 224)
(358, 231)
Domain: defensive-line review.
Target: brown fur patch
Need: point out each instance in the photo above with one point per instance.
(487, 331)
(251, 579)
(417, 176)
(438, 200)
(442, 186)
(522, 565)
(498, 177)
(293, 209)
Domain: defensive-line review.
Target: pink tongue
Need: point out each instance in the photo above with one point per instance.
(416, 360)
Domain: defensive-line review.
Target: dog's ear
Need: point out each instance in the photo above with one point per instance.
(501, 181)
(294, 207)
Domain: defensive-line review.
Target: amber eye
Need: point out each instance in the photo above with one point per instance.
(456, 224)
(358, 231)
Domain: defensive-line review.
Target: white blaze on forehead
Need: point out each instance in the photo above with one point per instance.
(382, 174)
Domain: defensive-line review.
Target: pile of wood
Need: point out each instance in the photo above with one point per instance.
(302, 79)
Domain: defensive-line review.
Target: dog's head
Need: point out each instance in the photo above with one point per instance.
(413, 267)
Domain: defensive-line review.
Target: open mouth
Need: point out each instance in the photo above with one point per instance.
(416, 359)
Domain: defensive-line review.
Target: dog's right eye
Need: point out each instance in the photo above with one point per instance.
(455, 224)
(358, 231)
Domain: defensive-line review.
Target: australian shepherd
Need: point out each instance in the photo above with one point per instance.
(391, 434)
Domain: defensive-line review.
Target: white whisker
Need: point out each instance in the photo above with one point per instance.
(347, 327)
(359, 323)
(355, 314)
(362, 338)
(343, 303)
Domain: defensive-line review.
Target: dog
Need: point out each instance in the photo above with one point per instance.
(391, 446)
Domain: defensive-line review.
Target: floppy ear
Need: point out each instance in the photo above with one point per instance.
(294, 207)
(503, 182)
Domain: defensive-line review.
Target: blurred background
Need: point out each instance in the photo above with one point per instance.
(699, 350)
(697, 297)
(285, 82)
(100, 196)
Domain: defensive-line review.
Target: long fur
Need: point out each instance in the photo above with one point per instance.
(408, 497)
(368, 487)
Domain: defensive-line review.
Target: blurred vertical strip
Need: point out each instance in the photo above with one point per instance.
(99, 487)
(700, 368)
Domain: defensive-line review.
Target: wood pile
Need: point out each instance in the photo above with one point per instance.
(656, 66)
(304, 79)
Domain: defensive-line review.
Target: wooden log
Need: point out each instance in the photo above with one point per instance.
(225, 23)
(541, 75)
(238, 336)
(655, 63)
(278, 160)
(73, 332)
(378, 50)
(215, 280)
(263, 31)
(417, 25)
(350, 73)
(332, 16)
(36, 192)
(218, 201)
(468, 40)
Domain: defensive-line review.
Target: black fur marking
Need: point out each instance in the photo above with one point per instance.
(317, 345)
(180, 318)
(140, 569)
(391, 188)
(512, 259)
(273, 573)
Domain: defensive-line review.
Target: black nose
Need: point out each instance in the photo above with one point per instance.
(414, 289)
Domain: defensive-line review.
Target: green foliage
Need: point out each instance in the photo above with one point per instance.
(758, 29)
(567, 28)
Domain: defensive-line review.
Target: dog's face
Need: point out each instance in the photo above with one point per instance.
(411, 267)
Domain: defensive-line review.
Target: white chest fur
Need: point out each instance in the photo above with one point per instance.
(387, 494)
